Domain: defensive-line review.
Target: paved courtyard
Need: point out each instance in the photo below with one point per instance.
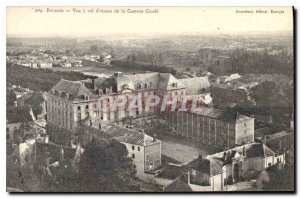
(181, 149)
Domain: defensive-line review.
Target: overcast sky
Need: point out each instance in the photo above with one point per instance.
(24, 21)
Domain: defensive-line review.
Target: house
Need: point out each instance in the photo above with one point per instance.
(195, 85)
(233, 165)
(144, 150)
(44, 63)
(45, 154)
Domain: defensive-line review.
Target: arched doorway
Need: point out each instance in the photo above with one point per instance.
(236, 173)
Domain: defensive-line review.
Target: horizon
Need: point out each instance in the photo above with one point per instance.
(168, 21)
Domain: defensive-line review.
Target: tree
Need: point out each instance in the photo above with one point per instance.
(10, 97)
(35, 102)
(106, 169)
(94, 48)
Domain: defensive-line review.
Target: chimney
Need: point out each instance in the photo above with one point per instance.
(244, 150)
(62, 153)
(118, 74)
(154, 138)
(199, 159)
(224, 156)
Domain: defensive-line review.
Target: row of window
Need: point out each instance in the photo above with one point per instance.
(144, 86)
(138, 148)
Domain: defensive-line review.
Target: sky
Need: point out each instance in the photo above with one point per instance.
(28, 21)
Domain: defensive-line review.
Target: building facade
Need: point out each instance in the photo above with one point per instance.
(213, 127)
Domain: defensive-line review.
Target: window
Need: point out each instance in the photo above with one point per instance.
(133, 156)
(87, 107)
(95, 106)
(245, 131)
(147, 157)
(146, 86)
(78, 107)
(277, 160)
(139, 86)
(133, 148)
(269, 164)
(7, 129)
(245, 124)
(139, 149)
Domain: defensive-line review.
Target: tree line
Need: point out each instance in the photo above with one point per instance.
(38, 79)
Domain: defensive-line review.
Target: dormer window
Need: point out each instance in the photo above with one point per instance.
(175, 85)
(139, 86)
(146, 86)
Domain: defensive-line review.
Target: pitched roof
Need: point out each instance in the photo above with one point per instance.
(213, 164)
(259, 150)
(194, 85)
(76, 90)
(132, 80)
(137, 138)
(126, 135)
(276, 135)
(18, 114)
(179, 185)
(162, 81)
(167, 81)
(252, 150)
(171, 172)
(220, 114)
(52, 151)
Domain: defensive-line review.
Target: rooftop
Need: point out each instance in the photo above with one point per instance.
(194, 85)
(76, 90)
(220, 114)
(213, 164)
(126, 135)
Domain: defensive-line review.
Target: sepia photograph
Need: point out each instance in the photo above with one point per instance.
(150, 99)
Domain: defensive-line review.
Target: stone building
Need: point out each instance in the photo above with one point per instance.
(214, 127)
(219, 170)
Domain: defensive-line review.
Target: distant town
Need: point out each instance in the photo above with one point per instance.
(69, 129)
